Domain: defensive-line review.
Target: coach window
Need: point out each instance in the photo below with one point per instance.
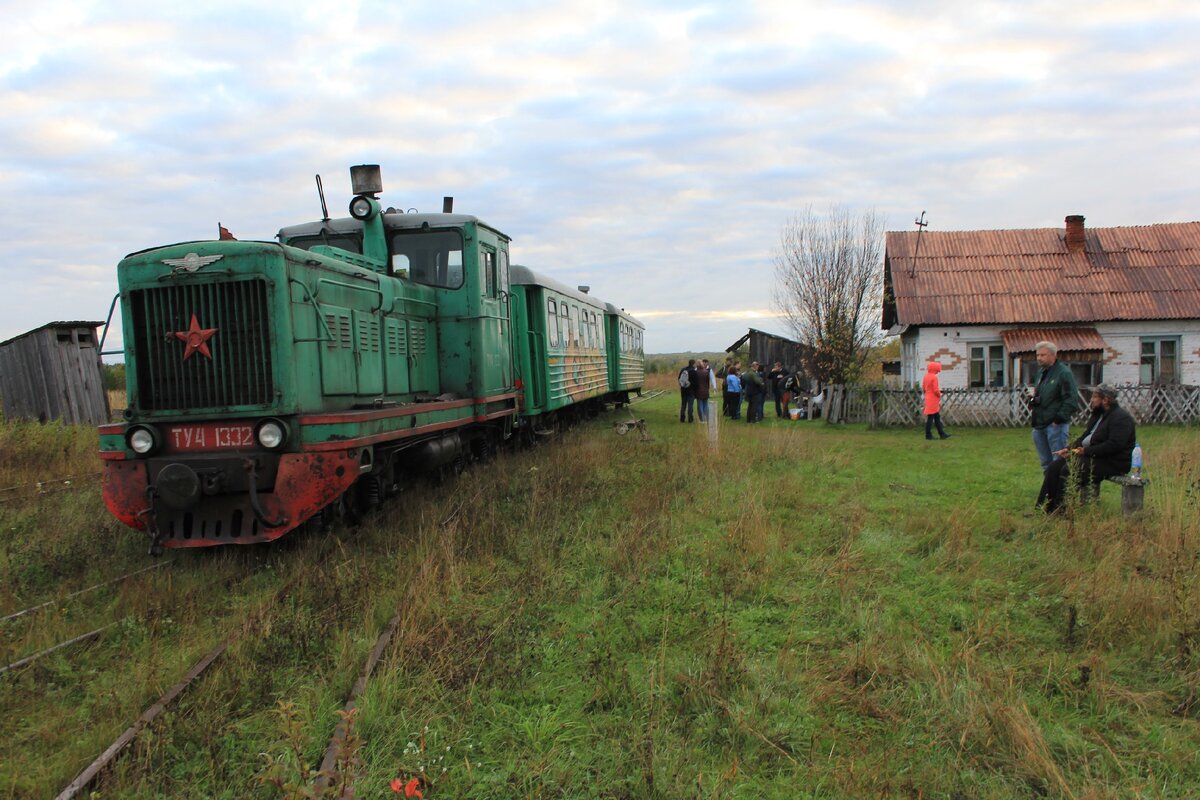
(564, 330)
(573, 317)
(552, 322)
(597, 332)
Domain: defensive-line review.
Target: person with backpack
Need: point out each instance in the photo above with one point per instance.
(687, 391)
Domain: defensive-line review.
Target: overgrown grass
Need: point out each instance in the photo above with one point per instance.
(806, 612)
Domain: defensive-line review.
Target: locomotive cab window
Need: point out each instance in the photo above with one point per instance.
(433, 258)
(552, 323)
(349, 243)
(503, 278)
(487, 265)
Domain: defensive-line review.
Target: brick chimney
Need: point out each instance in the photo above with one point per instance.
(1075, 233)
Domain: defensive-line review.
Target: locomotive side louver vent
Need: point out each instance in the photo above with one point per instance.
(416, 333)
(339, 328)
(368, 335)
(237, 369)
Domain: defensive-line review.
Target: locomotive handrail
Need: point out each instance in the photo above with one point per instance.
(108, 321)
(317, 308)
(355, 287)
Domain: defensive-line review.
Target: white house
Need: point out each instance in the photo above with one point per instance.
(1121, 304)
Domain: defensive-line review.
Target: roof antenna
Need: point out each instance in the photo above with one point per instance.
(921, 225)
(321, 193)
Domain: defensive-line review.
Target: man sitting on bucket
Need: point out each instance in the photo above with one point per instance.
(1104, 450)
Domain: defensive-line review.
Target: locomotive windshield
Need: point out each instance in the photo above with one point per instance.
(433, 258)
(349, 243)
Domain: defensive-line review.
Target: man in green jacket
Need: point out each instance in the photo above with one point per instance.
(1054, 400)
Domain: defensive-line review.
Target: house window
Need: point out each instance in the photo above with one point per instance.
(1160, 361)
(552, 322)
(987, 365)
(909, 361)
(1085, 365)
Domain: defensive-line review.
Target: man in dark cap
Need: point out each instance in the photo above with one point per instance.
(1105, 449)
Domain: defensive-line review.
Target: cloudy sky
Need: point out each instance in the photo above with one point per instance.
(652, 150)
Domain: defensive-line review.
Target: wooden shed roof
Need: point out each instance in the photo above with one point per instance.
(1029, 276)
(83, 323)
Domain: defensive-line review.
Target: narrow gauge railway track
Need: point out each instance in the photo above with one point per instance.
(327, 770)
(73, 595)
(92, 770)
(85, 637)
(79, 639)
(25, 491)
(238, 631)
(648, 396)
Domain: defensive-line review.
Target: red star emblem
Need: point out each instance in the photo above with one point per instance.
(197, 339)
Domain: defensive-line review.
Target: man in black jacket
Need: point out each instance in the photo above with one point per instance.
(1104, 450)
(687, 390)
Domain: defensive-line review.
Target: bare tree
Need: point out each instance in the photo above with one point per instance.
(828, 279)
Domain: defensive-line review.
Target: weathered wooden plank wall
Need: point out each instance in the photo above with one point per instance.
(53, 373)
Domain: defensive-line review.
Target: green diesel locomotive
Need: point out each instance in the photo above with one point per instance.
(270, 384)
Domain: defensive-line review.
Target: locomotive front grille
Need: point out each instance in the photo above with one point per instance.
(227, 363)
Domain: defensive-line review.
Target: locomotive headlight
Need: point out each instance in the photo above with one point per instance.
(142, 440)
(271, 434)
(363, 208)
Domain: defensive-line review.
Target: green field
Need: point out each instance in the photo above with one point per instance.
(807, 611)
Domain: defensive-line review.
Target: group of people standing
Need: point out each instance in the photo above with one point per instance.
(698, 381)
(1103, 450)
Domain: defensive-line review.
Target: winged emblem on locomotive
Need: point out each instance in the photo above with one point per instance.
(191, 262)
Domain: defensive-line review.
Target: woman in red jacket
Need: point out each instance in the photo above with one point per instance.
(933, 401)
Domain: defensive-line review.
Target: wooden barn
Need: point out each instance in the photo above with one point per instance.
(767, 348)
(53, 372)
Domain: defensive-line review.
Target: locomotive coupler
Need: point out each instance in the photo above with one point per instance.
(251, 467)
(149, 519)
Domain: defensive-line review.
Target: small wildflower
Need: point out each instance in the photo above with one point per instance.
(410, 789)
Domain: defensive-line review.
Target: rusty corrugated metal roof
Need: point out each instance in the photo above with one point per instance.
(1025, 340)
(1027, 276)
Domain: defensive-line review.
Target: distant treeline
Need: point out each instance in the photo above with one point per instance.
(114, 376)
(672, 362)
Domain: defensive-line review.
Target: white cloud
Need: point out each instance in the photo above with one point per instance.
(651, 150)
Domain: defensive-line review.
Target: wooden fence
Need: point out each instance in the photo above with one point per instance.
(1000, 407)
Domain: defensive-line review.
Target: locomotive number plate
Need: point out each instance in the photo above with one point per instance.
(210, 436)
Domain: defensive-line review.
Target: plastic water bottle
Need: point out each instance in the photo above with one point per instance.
(1136, 469)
